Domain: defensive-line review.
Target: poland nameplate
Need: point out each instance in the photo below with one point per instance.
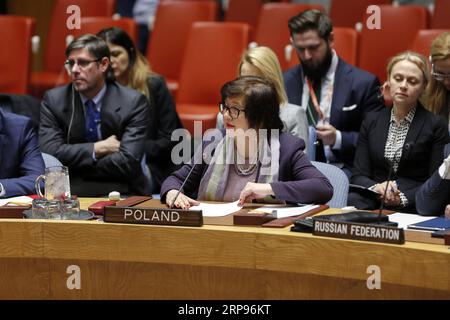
(159, 216)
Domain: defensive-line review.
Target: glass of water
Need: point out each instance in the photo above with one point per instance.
(54, 209)
(39, 208)
(70, 209)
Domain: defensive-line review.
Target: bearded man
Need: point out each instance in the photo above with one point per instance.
(337, 95)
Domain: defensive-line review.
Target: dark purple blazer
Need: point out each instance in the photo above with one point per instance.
(299, 180)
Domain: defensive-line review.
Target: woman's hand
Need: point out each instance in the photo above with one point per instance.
(182, 201)
(447, 211)
(255, 191)
(392, 195)
(386, 93)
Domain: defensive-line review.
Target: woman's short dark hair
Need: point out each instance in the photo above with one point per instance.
(262, 103)
(96, 47)
(311, 20)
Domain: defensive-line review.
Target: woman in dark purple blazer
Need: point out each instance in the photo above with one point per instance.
(252, 159)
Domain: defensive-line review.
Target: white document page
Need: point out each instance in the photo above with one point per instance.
(286, 212)
(217, 209)
(16, 201)
(405, 219)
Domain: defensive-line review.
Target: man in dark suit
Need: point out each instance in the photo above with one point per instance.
(337, 95)
(94, 125)
(433, 197)
(20, 159)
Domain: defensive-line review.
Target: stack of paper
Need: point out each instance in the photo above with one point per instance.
(285, 212)
(16, 201)
(217, 209)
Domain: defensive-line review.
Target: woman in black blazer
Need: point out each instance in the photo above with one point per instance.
(406, 138)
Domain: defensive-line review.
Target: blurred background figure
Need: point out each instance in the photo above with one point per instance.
(337, 95)
(143, 12)
(131, 69)
(263, 62)
(438, 91)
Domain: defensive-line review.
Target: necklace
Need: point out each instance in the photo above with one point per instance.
(245, 169)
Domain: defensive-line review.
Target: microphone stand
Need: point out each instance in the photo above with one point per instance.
(182, 185)
(391, 166)
(407, 147)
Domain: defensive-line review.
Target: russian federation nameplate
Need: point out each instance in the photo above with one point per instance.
(358, 231)
(158, 216)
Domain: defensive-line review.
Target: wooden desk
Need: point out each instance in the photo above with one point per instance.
(119, 261)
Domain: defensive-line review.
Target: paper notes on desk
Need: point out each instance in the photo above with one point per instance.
(405, 219)
(217, 209)
(434, 224)
(17, 201)
(284, 212)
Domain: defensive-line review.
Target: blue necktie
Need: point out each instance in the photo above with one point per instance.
(92, 118)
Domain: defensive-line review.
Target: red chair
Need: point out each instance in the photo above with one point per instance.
(273, 31)
(54, 56)
(399, 26)
(173, 21)
(93, 25)
(15, 56)
(441, 19)
(345, 44)
(346, 13)
(212, 55)
(423, 40)
(246, 11)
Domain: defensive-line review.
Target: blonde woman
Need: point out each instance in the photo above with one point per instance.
(406, 141)
(263, 62)
(438, 91)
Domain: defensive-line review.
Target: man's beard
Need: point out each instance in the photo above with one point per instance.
(315, 73)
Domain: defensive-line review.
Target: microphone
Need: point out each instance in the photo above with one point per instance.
(182, 185)
(406, 148)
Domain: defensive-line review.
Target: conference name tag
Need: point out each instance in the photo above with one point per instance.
(358, 231)
(157, 216)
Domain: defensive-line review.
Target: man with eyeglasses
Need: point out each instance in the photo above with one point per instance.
(337, 94)
(94, 125)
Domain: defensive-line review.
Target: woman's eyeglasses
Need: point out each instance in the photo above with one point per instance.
(438, 76)
(232, 111)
